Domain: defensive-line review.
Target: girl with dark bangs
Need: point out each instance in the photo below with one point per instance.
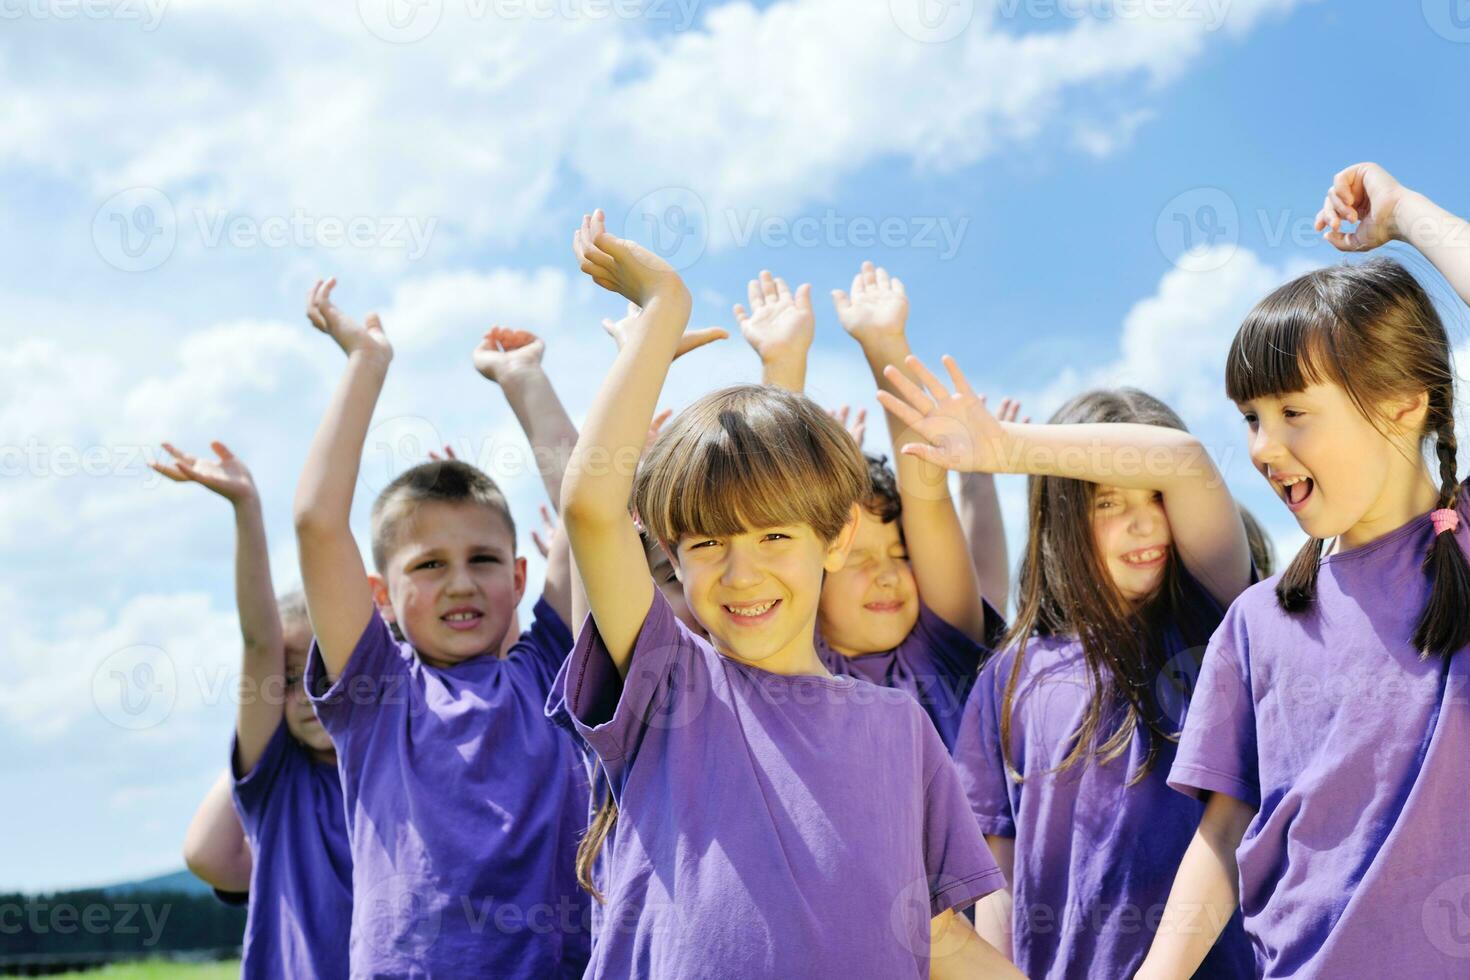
(1331, 729)
(1134, 550)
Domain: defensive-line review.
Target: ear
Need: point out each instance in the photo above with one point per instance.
(379, 585)
(520, 574)
(1409, 413)
(837, 551)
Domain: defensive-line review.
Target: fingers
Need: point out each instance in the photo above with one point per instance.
(898, 286)
(841, 301)
(541, 545)
(935, 386)
(905, 412)
(783, 291)
(768, 287)
(926, 452)
(840, 414)
(881, 277)
(961, 385)
(740, 315)
(169, 472)
(222, 451)
(698, 338)
(870, 275)
(804, 296)
(755, 295)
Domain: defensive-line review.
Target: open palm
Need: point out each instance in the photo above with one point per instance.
(227, 476)
(958, 430)
(876, 308)
(779, 321)
(503, 351)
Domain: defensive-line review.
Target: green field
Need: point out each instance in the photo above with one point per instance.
(164, 970)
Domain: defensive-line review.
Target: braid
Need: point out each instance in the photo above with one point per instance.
(1444, 628)
(1444, 448)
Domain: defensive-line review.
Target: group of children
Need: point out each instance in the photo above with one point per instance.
(768, 718)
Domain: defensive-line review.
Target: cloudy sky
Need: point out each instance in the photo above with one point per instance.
(1076, 192)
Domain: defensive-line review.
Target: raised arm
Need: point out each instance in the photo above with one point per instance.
(985, 527)
(1385, 210)
(263, 661)
(779, 326)
(338, 597)
(604, 542)
(215, 848)
(958, 432)
(875, 314)
(512, 359)
(1205, 893)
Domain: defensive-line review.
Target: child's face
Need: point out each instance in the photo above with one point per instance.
(756, 592)
(453, 582)
(301, 719)
(1337, 462)
(871, 603)
(1133, 538)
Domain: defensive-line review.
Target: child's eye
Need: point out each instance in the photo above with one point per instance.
(777, 536)
(1291, 413)
(706, 543)
(1250, 418)
(485, 558)
(431, 563)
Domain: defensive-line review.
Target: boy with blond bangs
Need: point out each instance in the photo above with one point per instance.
(774, 819)
(463, 802)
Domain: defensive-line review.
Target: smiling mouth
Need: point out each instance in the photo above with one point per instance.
(1145, 557)
(750, 613)
(463, 619)
(887, 606)
(1295, 490)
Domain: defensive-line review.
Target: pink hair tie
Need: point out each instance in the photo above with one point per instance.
(1444, 520)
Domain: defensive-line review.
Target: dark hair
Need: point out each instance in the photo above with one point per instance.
(882, 498)
(1372, 330)
(1066, 589)
(444, 480)
(1263, 553)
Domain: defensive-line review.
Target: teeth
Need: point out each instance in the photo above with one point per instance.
(1292, 481)
(752, 610)
(1148, 555)
(460, 617)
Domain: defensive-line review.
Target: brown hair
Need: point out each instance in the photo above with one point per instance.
(1372, 330)
(882, 498)
(1263, 553)
(1066, 589)
(741, 457)
(444, 481)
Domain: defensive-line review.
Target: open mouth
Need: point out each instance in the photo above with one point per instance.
(752, 613)
(1145, 557)
(462, 619)
(886, 606)
(1296, 490)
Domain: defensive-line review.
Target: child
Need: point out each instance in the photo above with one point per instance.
(905, 610)
(771, 816)
(284, 842)
(463, 802)
(1135, 547)
(1330, 733)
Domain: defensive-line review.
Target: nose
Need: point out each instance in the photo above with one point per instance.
(1265, 449)
(1145, 518)
(740, 571)
(460, 581)
(887, 572)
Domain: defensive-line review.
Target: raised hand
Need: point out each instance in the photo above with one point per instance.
(1009, 409)
(226, 476)
(548, 528)
(780, 323)
(347, 332)
(1364, 194)
(876, 309)
(656, 426)
(503, 351)
(958, 430)
(618, 330)
(857, 427)
(448, 454)
(624, 267)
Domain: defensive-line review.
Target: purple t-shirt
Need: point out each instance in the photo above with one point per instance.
(1356, 753)
(464, 806)
(936, 663)
(1094, 857)
(769, 825)
(290, 807)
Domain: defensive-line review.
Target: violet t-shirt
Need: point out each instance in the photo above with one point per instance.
(1094, 857)
(768, 825)
(936, 663)
(464, 806)
(290, 807)
(1356, 753)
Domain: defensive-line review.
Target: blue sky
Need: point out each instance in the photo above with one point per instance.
(1065, 148)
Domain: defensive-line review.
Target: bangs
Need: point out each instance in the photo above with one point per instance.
(1284, 346)
(756, 461)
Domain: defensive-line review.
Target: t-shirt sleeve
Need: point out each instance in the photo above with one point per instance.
(978, 757)
(1217, 749)
(544, 646)
(377, 675)
(960, 867)
(252, 789)
(612, 713)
